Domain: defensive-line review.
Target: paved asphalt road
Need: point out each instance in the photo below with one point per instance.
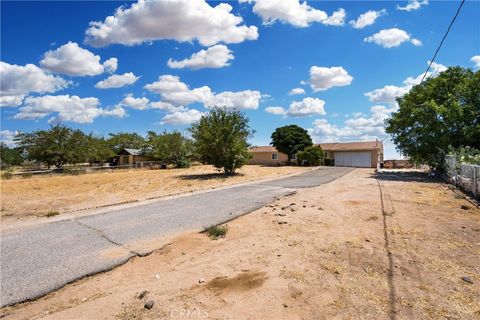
(41, 259)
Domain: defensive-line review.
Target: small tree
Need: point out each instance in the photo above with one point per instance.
(290, 140)
(312, 156)
(170, 147)
(221, 139)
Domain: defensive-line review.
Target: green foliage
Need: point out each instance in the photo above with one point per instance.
(465, 154)
(312, 156)
(290, 140)
(10, 156)
(439, 112)
(216, 232)
(56, 146)
(98, 149)
(169, 148)
(221, 139)
(121, 140)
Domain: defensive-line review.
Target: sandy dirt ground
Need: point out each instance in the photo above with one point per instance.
(396, 247)
(42, 196)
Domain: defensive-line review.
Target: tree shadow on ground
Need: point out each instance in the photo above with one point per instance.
(209, 176)
(406, 176)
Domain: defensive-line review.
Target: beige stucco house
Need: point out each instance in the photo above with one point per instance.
(365, 154)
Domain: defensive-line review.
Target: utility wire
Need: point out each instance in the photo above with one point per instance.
(443, 39)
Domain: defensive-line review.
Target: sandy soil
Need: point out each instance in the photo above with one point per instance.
(343, 250)
(39, 196)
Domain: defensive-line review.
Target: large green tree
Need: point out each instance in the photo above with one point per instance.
(290, 140)
(221, 139)
(118, 141)
(169, 147)
(57, 146)
(439, 112)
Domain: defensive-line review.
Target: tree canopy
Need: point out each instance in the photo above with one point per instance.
(290, 140)
(221, 139)
(121, 140)
(169, 147)
(440, 112)
(10, 156)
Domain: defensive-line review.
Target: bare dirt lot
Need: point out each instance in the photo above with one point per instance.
(45, 196)
(359, 247)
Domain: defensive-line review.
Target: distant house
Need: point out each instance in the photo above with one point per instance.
(365, 154)
(131, 157)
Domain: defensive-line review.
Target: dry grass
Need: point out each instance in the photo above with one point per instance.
(39, 194)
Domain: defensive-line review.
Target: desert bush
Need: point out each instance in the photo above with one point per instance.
(27, 175)
(183, 163)
(216, 232)
(51, 214)
(7, 175)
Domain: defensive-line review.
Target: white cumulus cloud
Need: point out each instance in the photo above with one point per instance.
(72, 60)
(64, 108)
(295, 13)
(18, 81)
(177, 93)
(7, 137)
(389, 38)
(180, 20)
(366, 19)
(296, 91)
(247, 99)
(304, 108)
(476, 60)
(323, 78)
(413, 5)
(217, 56)
(389, 93)
(182, 117)
(117, 81)
(135, 103)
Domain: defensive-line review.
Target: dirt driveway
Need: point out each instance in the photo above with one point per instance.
(363, 246)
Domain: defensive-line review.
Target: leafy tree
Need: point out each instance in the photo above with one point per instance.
(118, 141)
(10, 156)
(439, 112)
(290, 140)
(312, 155)
(221, 139)
(56, 146)
(170, 147)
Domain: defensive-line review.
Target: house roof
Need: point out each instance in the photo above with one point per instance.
(133, 152)
(352, 146)
(333, 146)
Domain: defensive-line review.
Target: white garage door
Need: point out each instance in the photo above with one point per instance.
(353, 159)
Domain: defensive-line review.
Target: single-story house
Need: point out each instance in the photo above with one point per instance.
(365, 154)
(129, 156)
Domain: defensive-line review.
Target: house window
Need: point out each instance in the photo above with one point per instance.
(274, 156)
(294, 156)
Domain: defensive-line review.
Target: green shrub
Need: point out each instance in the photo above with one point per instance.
(7, 175)
(216, 232)
(183, 163)
(312, 156)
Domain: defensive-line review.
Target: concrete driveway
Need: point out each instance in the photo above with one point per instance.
(44, 258)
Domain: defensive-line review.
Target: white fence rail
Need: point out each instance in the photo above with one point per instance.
(463, 175)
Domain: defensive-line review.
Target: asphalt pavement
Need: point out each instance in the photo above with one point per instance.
(44, 258)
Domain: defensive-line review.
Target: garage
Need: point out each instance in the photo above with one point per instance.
(362, 159)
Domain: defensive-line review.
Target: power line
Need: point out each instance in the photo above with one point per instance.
(443, 39)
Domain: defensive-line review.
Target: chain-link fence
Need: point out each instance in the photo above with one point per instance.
(463, 175)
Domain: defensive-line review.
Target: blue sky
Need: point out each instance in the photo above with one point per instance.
(346, 60)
